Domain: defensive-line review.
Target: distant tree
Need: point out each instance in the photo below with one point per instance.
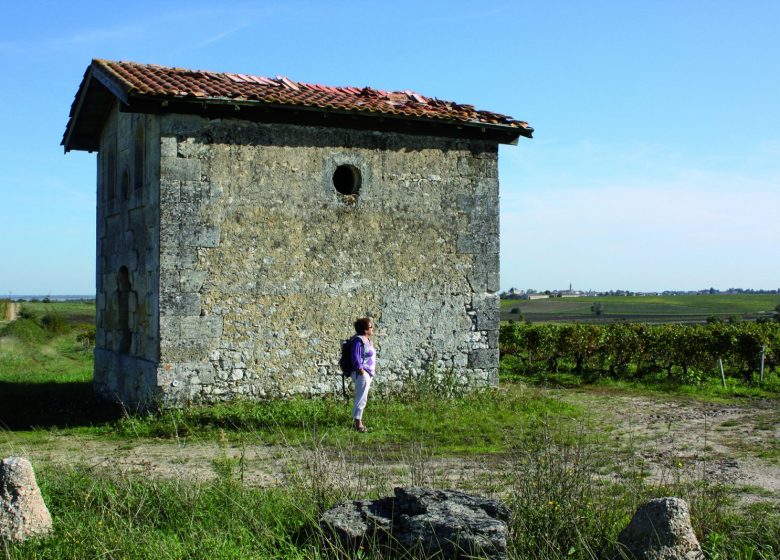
(597, 308)
(713, 319)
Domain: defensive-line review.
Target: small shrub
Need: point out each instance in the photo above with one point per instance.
(85, 339)
(29, 313)
(55, 323)
(432, 384)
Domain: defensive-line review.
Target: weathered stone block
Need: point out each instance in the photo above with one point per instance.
(488, 308)
(483, 358)
(170, 281)
(176, 257)
(170, 327)
(201, 327)
(168, 147)
(192, 280)
(193, 191)
(170, 191)
(208, 236)
(179, 169)
(184, 350)
(196, 373)
(179, 304)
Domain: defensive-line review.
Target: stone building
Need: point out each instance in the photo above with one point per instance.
(243, 223)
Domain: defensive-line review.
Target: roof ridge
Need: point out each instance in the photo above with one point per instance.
(141, 84)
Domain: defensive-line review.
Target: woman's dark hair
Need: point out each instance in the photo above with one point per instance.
(361, 325)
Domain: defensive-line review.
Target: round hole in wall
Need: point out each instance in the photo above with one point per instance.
(346, 179)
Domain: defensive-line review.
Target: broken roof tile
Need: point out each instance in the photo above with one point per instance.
(142, 80)
(133, 81)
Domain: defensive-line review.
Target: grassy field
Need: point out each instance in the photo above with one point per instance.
(80, 311)
(652, 309)
(570, 487)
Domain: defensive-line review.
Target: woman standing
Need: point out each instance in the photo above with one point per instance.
(363, 362)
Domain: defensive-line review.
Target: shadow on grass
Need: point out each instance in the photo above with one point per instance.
(24, 406)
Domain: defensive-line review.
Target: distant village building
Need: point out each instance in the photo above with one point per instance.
(243, 223)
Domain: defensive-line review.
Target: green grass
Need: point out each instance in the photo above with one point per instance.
(46, 367)
(645, 308)
(708, 389)
(561, 508)
(76, 311)
(138, 518)
(546, 461)
(479, 423)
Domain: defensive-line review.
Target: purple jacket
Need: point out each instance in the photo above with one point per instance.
(363, 355)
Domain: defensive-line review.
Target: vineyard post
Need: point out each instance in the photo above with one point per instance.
(763, 352)
(722, 375)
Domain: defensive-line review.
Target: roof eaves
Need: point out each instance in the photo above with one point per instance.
(367, 113)
(96, 75)
(111, 80)
(75, 109)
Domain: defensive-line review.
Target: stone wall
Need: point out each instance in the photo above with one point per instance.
(127, 348)
(264, 265)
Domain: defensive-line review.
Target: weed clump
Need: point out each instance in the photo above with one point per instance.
(55, 323)
(85, 338)
(25, 330)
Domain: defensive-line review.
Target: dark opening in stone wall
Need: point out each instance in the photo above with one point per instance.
(347, 179)
(123, 286)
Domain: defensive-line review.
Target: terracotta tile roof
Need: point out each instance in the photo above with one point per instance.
(130, 81)
(160, 81)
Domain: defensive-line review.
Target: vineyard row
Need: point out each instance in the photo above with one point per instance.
(620, 350)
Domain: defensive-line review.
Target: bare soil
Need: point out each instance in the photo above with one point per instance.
(669, 438)
(682, 438)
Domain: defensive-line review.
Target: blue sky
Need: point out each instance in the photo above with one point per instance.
(655, 163)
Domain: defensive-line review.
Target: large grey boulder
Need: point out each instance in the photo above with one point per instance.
(419, 522)
(660, 530)
(23, 513)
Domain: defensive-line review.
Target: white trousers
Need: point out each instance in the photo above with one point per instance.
(362, 384)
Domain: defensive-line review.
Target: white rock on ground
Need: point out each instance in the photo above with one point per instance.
(23, 513)
(661, 530)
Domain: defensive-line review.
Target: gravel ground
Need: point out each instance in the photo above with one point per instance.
(736, 444)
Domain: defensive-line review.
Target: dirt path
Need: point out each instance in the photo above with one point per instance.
(670, 438)
(676, 437)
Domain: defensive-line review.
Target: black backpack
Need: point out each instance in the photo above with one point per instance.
(345, 362)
